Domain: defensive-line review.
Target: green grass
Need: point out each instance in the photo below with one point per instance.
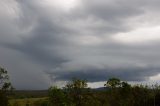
(24, 102)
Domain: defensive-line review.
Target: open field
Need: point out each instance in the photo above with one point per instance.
(21, 94)
(27, 101)
(28, 97)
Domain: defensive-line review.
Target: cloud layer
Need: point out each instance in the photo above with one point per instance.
(45, 41)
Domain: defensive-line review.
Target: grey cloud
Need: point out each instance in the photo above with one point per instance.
(113, 11)
(47, 41)
(98, 64)
(42, 45)
(95, 75)
(111, 16)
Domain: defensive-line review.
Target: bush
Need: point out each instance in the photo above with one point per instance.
(57, 97)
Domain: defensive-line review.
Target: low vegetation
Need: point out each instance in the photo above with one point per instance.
(28, 102)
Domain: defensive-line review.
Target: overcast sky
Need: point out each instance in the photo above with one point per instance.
(44, 42)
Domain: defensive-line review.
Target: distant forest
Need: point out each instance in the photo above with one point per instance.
(77, 93)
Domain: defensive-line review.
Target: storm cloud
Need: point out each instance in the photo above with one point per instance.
(48, 41)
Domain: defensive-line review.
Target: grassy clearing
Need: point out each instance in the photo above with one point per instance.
(25, 102)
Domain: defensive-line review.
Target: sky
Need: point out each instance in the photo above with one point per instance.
(48, 42)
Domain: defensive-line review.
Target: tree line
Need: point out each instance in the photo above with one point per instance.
(116, 93)
(77, 93)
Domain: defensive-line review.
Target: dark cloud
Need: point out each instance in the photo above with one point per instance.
(39, 40)
(95, 75)
(42, 44)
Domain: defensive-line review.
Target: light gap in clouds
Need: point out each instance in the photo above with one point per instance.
(140, 35)
(62, 4)
(155, 78)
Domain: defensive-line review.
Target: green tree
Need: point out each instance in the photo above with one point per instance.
(5, 86)
(57, 97)
(76, 89)
(113, 83)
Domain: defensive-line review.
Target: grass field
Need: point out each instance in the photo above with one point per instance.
(26, 102)
(21, 94)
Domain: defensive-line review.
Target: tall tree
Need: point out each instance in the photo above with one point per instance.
(5, 86)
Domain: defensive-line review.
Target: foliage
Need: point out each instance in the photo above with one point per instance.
(76, 90)
(113, 83)
(117, 93)
(56, 96)
(5, 86)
